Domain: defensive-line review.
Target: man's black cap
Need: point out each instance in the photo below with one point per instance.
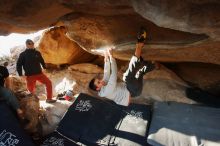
(29, 41)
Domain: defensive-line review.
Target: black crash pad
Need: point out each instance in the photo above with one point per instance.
(184, 124)
(94, 121)
(90, 120)
(56, 139)
(11, 134)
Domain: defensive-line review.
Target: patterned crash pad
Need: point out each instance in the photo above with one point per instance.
(57, 139)
(94, 121)
(183, 124)
(132, 129)
(11, 134)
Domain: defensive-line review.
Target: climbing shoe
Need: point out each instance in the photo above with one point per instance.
(142, 35)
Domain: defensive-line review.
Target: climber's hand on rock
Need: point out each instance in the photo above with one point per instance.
(110, 52)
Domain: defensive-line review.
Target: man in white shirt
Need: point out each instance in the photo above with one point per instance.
(132, 86)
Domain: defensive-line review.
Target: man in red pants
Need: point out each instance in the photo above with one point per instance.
(31, 61)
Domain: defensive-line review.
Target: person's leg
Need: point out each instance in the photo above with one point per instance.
(134, 64)
(31, 82)
(138, 49)
(134, 85)
(45, 80)
(133, 77)
(146, 66)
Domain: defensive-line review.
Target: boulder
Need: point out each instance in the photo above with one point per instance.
(190, 16)
(86, 68)
(57, 48)
(164, 85)
(29, 16)
(201, 75)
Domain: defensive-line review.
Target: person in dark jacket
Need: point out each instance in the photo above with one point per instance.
(31, 61)
(6, 94)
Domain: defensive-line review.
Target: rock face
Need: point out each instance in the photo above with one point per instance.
(94, 25)
(204, 76)
(86, 68)
(93, 32)
(191, 15)
(57, 48)
(206, 52)
(26, 16)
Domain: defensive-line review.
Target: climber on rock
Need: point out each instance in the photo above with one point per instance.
(133, 77)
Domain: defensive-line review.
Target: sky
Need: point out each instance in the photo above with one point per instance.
(14, 39)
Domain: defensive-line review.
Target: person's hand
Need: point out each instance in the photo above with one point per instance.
(110, 52)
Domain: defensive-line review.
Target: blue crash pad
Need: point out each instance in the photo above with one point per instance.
(181, 124)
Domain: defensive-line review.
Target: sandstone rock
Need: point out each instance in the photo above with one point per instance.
(57, 48)
(190, 16)
(27, 16)
(98, 24)
(179, 15)
(162, 85)
(206, 52)
(164, 73)
(204, 76)
(165, 90)
(51, 114)
(95, 32)
(86, 68)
